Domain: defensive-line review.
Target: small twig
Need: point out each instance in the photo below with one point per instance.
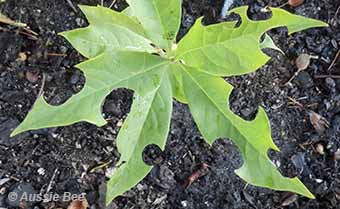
(33, 37)
(294, 76)
(337, 11)
(14, 178)
(282, 5)
(334, 60)
(296, 102)
(31, 31)
(327, 76)
(103, 165)
(111, 5)
(49, 187)
(225, 8)
(41, 91)
(71, 5)
(56, 54)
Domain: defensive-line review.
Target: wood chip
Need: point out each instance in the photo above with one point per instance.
(319, 123)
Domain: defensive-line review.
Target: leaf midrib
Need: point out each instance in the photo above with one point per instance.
(212, 44)
(220, 110)
(104, 87)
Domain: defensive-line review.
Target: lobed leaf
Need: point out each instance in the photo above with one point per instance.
(103, 74)
(147, 123)
(118, 47)
(221, 50)
(160, 19)
(208, 99)
(108, 31)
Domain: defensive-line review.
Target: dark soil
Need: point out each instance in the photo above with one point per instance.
(65, 159)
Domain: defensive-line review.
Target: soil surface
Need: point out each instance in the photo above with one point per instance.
(69, 159)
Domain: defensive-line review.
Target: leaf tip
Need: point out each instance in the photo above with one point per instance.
(14, 132)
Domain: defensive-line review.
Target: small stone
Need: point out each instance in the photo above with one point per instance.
(140, 187)
(184, 203)
(79, 21)
(319, 181)
(22, 57)
(41, 171)
(119, 123)
(320, 149)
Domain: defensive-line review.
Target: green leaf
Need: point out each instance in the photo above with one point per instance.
(103, 74)
(108, 30)
(176, 79)
(208, 98)
(118, 47)
(269, 43)
(147, 123)
(160, 19)
(221, 50)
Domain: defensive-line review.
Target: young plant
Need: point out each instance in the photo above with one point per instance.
(136, 49)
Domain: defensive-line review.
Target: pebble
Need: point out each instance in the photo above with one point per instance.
(79, 21)
(41, 171)
(119, 123)
(184, 203)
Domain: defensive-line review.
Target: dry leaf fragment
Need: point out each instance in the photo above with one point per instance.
(201, 171)
(302, 63)
(319, 123)
(295, 3)
(78, 204)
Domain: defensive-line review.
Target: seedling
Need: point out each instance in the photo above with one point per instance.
(135, 49)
